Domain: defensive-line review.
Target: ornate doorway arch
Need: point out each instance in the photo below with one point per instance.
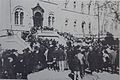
(38, 16)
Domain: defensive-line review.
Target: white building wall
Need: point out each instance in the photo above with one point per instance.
(59, 13)
(5, 13)
(75, 15)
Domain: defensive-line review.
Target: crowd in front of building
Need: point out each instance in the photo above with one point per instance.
(94, 55)
(80, 56)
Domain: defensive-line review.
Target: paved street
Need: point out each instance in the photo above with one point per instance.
(63, 75)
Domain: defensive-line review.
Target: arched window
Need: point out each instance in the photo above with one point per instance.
(66, 21)
(75, 23)
(82, 6)
(16, 17)
(90, 28)
(74, 4)
(51, 19)
(21, 18)
(83, 24)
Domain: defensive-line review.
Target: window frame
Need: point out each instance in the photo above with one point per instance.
(18, 19)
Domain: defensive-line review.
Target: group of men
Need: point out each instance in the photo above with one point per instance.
(34, 58)
(45, 53)
(93, 57)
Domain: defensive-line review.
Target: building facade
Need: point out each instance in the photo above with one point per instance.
(73, 16)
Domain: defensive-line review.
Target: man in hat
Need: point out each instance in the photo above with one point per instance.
(26, 57)
(14, 56)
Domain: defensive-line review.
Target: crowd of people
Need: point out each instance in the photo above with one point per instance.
(48, 53)
(39, 55)
(94, 55)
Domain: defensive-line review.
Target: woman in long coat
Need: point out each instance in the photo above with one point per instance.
(50, 54)
(92, 60)
(74, 63)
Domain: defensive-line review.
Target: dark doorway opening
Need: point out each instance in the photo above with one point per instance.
(38, 20)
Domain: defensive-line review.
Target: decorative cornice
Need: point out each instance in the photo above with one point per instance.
(49, 2)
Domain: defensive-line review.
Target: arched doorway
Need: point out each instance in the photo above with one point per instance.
(38, 19)
(38, 16)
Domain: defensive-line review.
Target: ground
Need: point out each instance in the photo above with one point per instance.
(63, 75)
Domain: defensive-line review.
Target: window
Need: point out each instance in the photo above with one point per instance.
(51, 19)
(82, 7)
(89, 6)
(83, 24)
(74, 4)
(66, 21)
(18, 16)
(21, 18)
(89, 27)
(75, 22)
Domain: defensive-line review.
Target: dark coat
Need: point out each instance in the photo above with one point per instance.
(50, 54)
(92, 60)
(59, 55)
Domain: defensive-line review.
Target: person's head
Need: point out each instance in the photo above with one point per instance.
(15, 52)
(54, 59)
(90, 48)
(27, 50)
(36, 48)
(56, 48)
